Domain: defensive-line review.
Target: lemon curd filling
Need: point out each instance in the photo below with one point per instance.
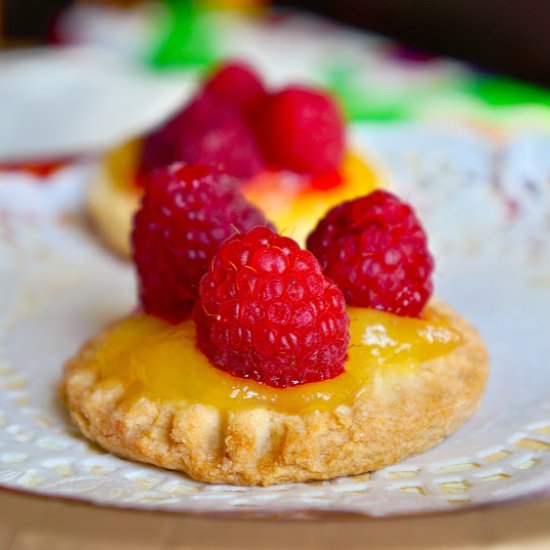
(295, 207)
(120, 165)
(161, 361)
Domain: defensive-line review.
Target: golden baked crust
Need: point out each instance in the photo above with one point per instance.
(397, 415)
(111, 211)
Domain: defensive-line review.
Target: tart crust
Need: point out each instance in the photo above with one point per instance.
(397, 415)
(112, 211)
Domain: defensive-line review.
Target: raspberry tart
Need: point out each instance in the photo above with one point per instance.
(287, 148)
(254, 361)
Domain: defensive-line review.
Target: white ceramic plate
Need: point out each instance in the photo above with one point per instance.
(59, 102)
(486, 208)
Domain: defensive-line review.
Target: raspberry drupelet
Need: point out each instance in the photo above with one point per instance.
(235, 125)
(214, 128)
(302, 130)
(186, 212)
(266, 312)
(375, 249)
(209, 130)
(238, 84)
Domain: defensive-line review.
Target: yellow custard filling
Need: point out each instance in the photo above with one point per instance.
(161, 361)
(296, 208)
(120, 166)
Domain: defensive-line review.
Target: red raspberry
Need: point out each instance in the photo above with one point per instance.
(237, 83)
(376, 251)
(302, 130)
(208, 131)
(265, 311)
(186, 212)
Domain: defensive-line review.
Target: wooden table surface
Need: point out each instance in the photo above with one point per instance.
(30, 522)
